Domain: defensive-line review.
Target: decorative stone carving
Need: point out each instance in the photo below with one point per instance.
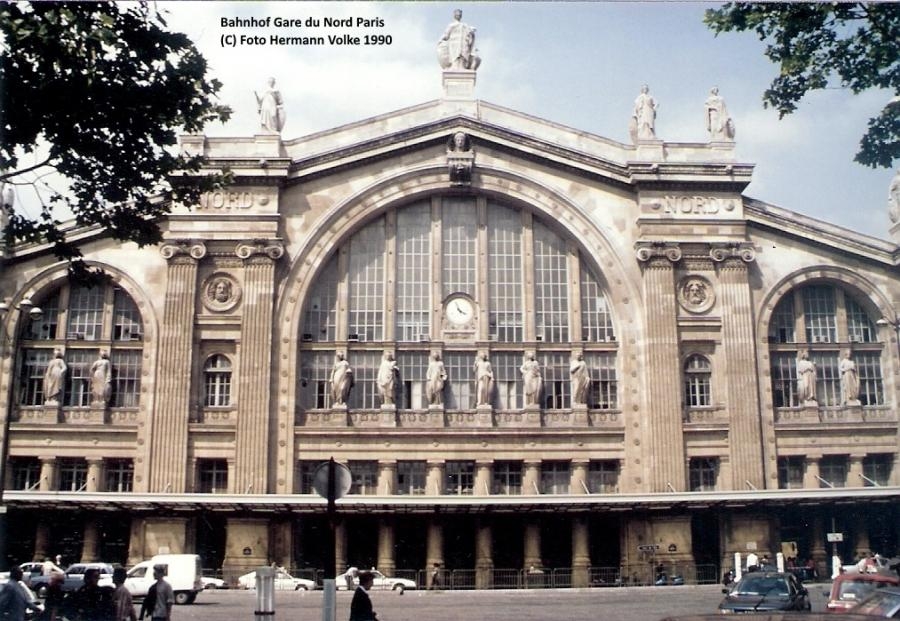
(581, 379)
(101, 380)
(849, 380)
(341, 380)
(532, 380)
(456, 47)
(743, 251)
(270, 248)
(484, 380)
(460, 158)
(53, 378)
(806, 379)
(648, 250)
(221, 292)
(719, 125)
(695, 294)
(435, 378)
(643, 119)
(894, 198)
(183, 247)
(388, 374)
(271, 109)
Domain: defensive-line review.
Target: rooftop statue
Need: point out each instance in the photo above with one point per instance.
(718, 123)
(894, 198)
(643, 119)
(271, 109)
(456, 48)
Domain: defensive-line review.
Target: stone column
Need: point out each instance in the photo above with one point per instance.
(168, 425)
(48, 474)
(741, 382)
(861, 543)
(41, 542)
(663, 442)
(854, 474)
(482, 478)
(581, 555)
(253, 431)
(387, 477)
(531, 481)
(340, 546)
(532, 544)
(282, 543)
(91, 542)
(95, 482)
(811, 474)
(818, 552)
(387, 563)
(434, 548)
(484, 557)
(578, 483)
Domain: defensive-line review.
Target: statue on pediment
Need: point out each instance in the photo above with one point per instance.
(806, 379)
(643, 119)
(894, 198)
(719, 125)
(270, 106)
(456, 48)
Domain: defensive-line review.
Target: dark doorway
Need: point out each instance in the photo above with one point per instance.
(362, 541)
(310, 536)
(114, 536)
(556, 541)
(211, 532)
(705, 544)
(459, 543)
(410, 545)
(604, 543)
(508, 535)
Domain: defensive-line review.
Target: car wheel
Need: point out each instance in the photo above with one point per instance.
(398, 588)
(182, 598)
(42, 591)
(300, 587)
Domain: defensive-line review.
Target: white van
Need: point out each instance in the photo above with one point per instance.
(182, 572)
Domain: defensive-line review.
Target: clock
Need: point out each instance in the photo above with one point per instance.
(459, 310)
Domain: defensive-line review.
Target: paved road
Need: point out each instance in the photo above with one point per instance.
(622, 604)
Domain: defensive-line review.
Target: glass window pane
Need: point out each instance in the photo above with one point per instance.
(596, 317)
(85, 313)
(459, 245)
(551, 291)
(78, 376)
(507, 478)
(413, 298)
(366, 283)
(508, 379)
(411, 477)
(604, 388)
(314, 387)
(126, 318)
(458, 389)
(320, 317)
(819, 314)
(505, 274)
(781, 329)
(126, 373)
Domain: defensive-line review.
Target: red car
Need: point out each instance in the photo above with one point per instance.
(848, 589)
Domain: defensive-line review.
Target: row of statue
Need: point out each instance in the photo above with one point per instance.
(436, 377)
(643, 119)
(807, 376)
(100, 378)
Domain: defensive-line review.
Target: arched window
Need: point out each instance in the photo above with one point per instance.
(81, 322)
(697, 381)
(217, 381)
(386, 287)
(825, 321)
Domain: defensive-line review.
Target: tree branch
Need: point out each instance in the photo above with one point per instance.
(15, 173)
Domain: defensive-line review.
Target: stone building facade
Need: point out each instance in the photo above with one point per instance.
(690, 304)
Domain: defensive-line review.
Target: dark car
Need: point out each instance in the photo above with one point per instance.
(764, 591)
(883, 603)
(848, 590)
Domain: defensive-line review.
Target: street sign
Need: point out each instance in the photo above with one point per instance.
(835, 537)
(648, 547)
(342, 480)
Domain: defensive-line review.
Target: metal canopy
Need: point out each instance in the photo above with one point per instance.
(549, 503)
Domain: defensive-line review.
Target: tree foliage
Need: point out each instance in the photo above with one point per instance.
(856, 44)
(98, 93)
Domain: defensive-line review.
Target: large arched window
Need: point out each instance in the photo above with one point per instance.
(528, 287)
(826, 321)
(81, 322)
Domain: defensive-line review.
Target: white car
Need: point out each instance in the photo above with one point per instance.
(209, 582)
(283, 582)
(380, 582)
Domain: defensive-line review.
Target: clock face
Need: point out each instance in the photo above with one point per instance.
(459, 310)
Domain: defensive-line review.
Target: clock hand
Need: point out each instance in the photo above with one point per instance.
(459, 310)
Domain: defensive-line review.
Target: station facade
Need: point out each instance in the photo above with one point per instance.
(460, 230)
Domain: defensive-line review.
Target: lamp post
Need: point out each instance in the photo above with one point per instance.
(24, 307)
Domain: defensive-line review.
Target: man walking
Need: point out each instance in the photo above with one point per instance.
(14, 600)
(361, 605)
(160, 597)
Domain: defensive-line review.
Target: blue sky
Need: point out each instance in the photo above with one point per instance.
(577, 64)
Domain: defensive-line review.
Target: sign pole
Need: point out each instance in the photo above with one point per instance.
(329, 601)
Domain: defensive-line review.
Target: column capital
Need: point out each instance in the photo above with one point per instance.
(732, 254)
(271, 248)
(183, 248)
(658, 253)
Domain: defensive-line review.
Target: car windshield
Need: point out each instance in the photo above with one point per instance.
(853, 590)
(879, 604)
(761, 585)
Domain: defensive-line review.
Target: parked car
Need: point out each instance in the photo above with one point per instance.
(380, 582)
(182, 573)
(28, 570)
(848, 590)
(764, 592)
(209, 582)
(283, 582)
(74, 577)
(880, 603)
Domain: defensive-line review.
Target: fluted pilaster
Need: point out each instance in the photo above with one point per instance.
(169, 436)
(743, 395)
(663, 436)
(255, 366)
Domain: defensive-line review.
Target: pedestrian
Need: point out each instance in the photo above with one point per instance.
(158, 603)
(361, 605)
(13, 598)
(122, 600)
(436, 576)
(349, 577)
(91, 602)
(752, 562)
(56, 600)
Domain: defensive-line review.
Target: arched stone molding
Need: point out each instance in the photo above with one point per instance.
(621, 282)
(869, 295)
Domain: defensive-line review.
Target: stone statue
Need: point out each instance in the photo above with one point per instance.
(719, 125)
(531, 379)
(386, 379)
(894, 198)
(456, 48)
(435, 378)
(806, 378)
(484, 380)
(460, 158)
(7, 203)
(341, 380)
(271, 109)
(643, 119)
(101, 379)
(53, 378)
(849, 380)
(581, 379)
